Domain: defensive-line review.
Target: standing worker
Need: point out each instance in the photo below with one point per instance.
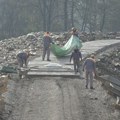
(47, 40)
(75, 32)
(90, 70)
(77, 57)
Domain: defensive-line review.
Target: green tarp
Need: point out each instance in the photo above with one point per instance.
(73, 42)
(8, 69)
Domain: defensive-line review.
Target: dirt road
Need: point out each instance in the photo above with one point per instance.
(59, 98)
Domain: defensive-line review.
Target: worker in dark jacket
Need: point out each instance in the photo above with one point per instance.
(47, 40)
(77, 57)
(22, 58)
(90, 70)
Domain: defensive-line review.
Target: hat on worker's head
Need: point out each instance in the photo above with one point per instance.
(26, 50)
(73, 29)
(47, 33)
(92, 56)
(76, 47)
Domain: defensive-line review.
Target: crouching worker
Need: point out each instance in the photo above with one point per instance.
(77, 57)
(22, 58)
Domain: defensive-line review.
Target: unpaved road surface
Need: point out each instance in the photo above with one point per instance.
(56, 98)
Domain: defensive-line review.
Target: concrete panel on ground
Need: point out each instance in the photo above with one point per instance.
(62, 66)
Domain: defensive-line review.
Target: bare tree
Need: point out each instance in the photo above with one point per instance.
(47, 11)
(65, 14)
(103, 15)
(72, 13)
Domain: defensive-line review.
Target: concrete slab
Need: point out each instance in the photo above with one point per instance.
(53, 74)
(62, 66)
(93, 46)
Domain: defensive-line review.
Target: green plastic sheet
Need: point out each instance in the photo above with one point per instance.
(8, 69)
(73, 42)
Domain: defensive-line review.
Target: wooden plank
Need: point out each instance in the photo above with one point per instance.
(52, 74)
(115, 86)
(51, 70)
(113, 89)
(111, 79)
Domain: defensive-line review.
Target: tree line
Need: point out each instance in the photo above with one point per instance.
(20, 17)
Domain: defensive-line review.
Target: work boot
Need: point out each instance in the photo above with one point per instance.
(48, 60)
(92, 88)
(86, 87)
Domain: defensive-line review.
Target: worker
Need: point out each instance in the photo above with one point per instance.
(22, 58)
(90, 70)
(47, 40)
(77, 57)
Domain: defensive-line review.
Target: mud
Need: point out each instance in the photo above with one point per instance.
(57, 98)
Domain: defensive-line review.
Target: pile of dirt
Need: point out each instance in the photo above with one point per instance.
(110, 62)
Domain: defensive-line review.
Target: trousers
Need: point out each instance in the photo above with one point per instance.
(76, 66)
(46, 51)
(22, 61)
(89, 78)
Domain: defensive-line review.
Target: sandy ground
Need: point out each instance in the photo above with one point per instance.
(57, 98)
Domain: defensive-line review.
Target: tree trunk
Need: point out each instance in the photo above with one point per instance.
(85, 16)
(65, 15)
(103, 16)
(72, 14)
(50, 9)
